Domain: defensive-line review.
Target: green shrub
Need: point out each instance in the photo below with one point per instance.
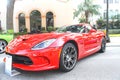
(43, 28)
(81, 20)
(50, 28)
(114, 31)
(55, 28)
(10, 31)
(44, 31)
(101, 23)
(117, 23)
(18, 34)
(23, 30)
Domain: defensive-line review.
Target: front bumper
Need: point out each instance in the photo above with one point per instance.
(37, 60)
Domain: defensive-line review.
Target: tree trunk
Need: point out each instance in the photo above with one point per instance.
(86, 19)
(9, 13)
(86, 16)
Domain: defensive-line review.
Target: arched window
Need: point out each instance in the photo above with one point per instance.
(49, 19)
(35, 21)
(22, 26)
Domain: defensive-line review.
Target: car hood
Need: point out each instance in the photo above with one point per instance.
(28, 41)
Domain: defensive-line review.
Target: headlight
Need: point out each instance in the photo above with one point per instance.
(43, 44)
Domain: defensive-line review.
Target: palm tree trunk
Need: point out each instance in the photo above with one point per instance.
(9, 13)
(86, 16)
(86, 19)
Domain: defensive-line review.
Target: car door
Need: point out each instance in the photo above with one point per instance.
(89, 39)
(95, 38)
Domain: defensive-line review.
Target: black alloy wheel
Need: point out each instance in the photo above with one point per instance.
(68, 57)
(3, 44)
(103, 46)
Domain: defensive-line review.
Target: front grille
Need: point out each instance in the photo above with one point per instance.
(21, 59)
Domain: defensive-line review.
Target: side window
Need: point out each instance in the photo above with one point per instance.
(88, 28)
(84, 29)
(73, 29)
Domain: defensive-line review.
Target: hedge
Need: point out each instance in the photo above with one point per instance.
(112, 31)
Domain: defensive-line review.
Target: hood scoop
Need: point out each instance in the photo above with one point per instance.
(24, 39)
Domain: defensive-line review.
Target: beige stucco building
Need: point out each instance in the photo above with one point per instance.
(3, 15)
(38, 14)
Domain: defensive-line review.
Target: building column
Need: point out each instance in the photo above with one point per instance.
(43, 21)
(54, 17)
(16, 25)
(27, 23)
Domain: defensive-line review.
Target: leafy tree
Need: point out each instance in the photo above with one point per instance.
(117, 24)
(10, 10)
(87, 8)
(81, 20)
(101, 23)
(118, 16)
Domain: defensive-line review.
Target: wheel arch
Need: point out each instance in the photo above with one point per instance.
(75, 44)
(61, 66)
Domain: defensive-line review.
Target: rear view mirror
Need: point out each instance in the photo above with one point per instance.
(94, 27)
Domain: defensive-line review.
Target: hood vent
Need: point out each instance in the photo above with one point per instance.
(24, 39)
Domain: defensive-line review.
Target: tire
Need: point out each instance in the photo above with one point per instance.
(103, 46)
(3, 44)
(68, 57)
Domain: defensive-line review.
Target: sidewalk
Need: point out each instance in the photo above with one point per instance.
(114, 41)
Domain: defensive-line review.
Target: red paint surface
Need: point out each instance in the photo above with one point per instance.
(48, 58)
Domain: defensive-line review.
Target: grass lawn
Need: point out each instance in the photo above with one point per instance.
(7, 37)
(114, 35)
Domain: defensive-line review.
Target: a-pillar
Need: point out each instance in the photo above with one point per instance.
(16, 25)
(55, 21)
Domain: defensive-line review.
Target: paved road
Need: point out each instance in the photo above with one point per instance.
(100, 66)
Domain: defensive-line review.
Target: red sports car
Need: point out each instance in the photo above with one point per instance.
(56, 50)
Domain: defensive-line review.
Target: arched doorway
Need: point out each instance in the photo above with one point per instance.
(49, 20)
(35, 21)
(22, 26)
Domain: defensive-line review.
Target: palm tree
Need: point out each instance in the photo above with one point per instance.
(87, 8)
(10, 10)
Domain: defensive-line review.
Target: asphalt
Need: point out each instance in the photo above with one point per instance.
(95, 67)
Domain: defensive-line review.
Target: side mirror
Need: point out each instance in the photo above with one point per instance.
(94, 27)
(92, 30)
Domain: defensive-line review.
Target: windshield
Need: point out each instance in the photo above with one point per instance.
(73, 29)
